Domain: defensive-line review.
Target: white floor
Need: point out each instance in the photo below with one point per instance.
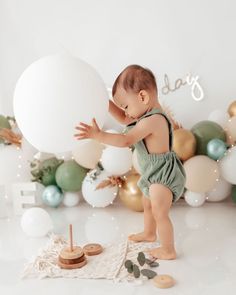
(205, 240)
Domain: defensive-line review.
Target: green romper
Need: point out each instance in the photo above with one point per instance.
(165, 168)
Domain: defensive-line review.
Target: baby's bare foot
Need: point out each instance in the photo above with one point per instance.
(143, 237)
(163, 253)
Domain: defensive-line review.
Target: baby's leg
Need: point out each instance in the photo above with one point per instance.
(149, 233)
(161, 200)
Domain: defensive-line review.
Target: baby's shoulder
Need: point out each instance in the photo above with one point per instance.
(154, 120)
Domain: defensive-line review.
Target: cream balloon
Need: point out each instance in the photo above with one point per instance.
(117, 161)
(52, 96)
(87, 154)
(227, 166)
(194, 199)
(98, 197)
(220, 117)
(201, 173)
(220, 192)
(36, 222)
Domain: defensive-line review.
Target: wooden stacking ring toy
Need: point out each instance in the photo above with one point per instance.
(92, 249)
(71, 257)
(163, 281)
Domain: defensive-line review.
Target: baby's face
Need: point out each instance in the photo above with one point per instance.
(130, 102)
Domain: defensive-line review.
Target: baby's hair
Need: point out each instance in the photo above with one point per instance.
(135, 78)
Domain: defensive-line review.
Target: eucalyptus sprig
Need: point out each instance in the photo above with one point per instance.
(142, 260)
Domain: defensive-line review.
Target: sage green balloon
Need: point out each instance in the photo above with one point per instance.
(69, 176)
(205, 131)
(4, 123)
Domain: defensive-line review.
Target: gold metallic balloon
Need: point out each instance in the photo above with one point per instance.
(184, 143)
(130, 194)
(232, 109)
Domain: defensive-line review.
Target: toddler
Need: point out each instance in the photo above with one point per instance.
(149, 130)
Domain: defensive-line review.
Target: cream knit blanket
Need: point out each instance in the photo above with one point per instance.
(107, 265)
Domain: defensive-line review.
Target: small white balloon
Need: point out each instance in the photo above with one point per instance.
(220, 192)
(101, 197)
(71, 199)
(220, 117)
(36, 222)
(117, 161)
(227, 166)
(194, 199)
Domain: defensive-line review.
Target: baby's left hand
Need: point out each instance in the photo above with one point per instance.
(87, 130)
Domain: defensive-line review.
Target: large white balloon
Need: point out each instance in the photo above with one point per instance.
(220, 192)
(100, 197)
(36, 222)
(227, 166)
(117, 161)
(52, 96)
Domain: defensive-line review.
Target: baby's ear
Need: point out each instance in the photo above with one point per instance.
(144, 96)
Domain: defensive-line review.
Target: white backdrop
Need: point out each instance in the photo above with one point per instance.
(173, 37)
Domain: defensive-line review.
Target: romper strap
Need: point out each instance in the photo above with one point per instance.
(158, 111)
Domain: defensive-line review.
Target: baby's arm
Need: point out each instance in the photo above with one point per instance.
(118, 113)
(142, 129)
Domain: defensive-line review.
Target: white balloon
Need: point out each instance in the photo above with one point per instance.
(220, 192)
(52, 96)
(219, 117)
(100, 197)
(194, 199)
(227, 166)
(135, 162)
(87, 154)
(36, 222)
(117, 161)
(71, 199)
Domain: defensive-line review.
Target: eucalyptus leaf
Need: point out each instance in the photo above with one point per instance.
(128, 263)
(141, 258)
(136, 271)
(129, 266)
(154, 264)
(150, 274)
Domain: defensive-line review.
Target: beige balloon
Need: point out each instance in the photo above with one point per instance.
(231, 129)
(184, 144)
(88, 154)
(130, 194)
(232, 109)
(201, 173)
